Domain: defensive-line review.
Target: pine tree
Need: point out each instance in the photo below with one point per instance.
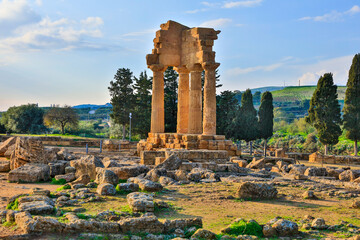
(324, 111)
(266, 117)
(226, 108)
(142, 110)
(248, 119)
(352, 103)
(122, 97)
(170, 98)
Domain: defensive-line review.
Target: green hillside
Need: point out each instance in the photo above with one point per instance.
(292, 94)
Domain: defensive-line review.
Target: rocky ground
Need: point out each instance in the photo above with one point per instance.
(111, 196)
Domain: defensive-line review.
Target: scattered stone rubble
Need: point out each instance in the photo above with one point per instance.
(172, 168)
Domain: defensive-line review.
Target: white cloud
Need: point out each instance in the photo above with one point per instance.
(216, 23)
(197, 10)
(15, 13)
(62, 34)
(239, 71)
(209, 4)
(355, 9)
(248, 3)
(264, 68)
(140, 33)
(338, 66)
(38, 2)
(333, 16)
(93, 22)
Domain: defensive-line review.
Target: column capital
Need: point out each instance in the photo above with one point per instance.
(208, 66)
(194, 67)
(182, 69)
(157, 67)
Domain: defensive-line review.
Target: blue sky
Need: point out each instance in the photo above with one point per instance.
(67, 51)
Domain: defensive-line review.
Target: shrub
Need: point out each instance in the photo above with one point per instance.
(245, 227)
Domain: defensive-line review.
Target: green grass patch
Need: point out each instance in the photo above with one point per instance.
(14, 205)
(245, 227)
(63, 187)
(58, 182)
(84, 216)
(9, 224)
(127, 209)
(121, 192)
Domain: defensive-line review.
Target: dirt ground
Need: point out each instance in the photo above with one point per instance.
(216, 205)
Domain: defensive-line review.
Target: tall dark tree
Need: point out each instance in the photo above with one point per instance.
(24, 119)
(61, 117)
(266, 117)
(352, 103)
(248, 119)
(122, 97)
(142, 110)
(170, 98)
(324, 111)
(226, 107)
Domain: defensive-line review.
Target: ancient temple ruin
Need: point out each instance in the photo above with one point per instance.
(189, 51)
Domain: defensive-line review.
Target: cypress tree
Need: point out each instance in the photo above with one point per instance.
(170, 99)
(142, 110)
(226, 107)
(122, 97)
(248, 119)
(352, 103)
(324, 111)
(266, 117)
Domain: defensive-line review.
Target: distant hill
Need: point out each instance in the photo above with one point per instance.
(92, 106)
(292, 94)
(264, 89)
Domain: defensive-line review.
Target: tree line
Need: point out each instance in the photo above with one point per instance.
(31, 119)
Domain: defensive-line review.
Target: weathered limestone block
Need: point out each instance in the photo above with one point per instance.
(57, 168)
(146, 185)
(106, 189)
(5, 145)
(140, 202)
(37, 207)
(31, 172)
(126, 172)
(30, 150)
(315, 171)
(280, 228)
(141, 225)
(4, 166)
(106, 176)
(68, 177)
(148, 157)
(128, 187)
(171, 163)
(248, 190)
(25, 221)
(87, 166)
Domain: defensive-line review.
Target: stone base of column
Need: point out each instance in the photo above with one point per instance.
(157, 141)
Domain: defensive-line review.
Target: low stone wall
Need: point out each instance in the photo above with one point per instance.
(108, 145)
(40, 224)
(188, 141)
(197, 156)
(333, 159)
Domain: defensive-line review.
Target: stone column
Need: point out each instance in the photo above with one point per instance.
(195, 100)
(183, 100)
(209, 116)
(157, 102)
